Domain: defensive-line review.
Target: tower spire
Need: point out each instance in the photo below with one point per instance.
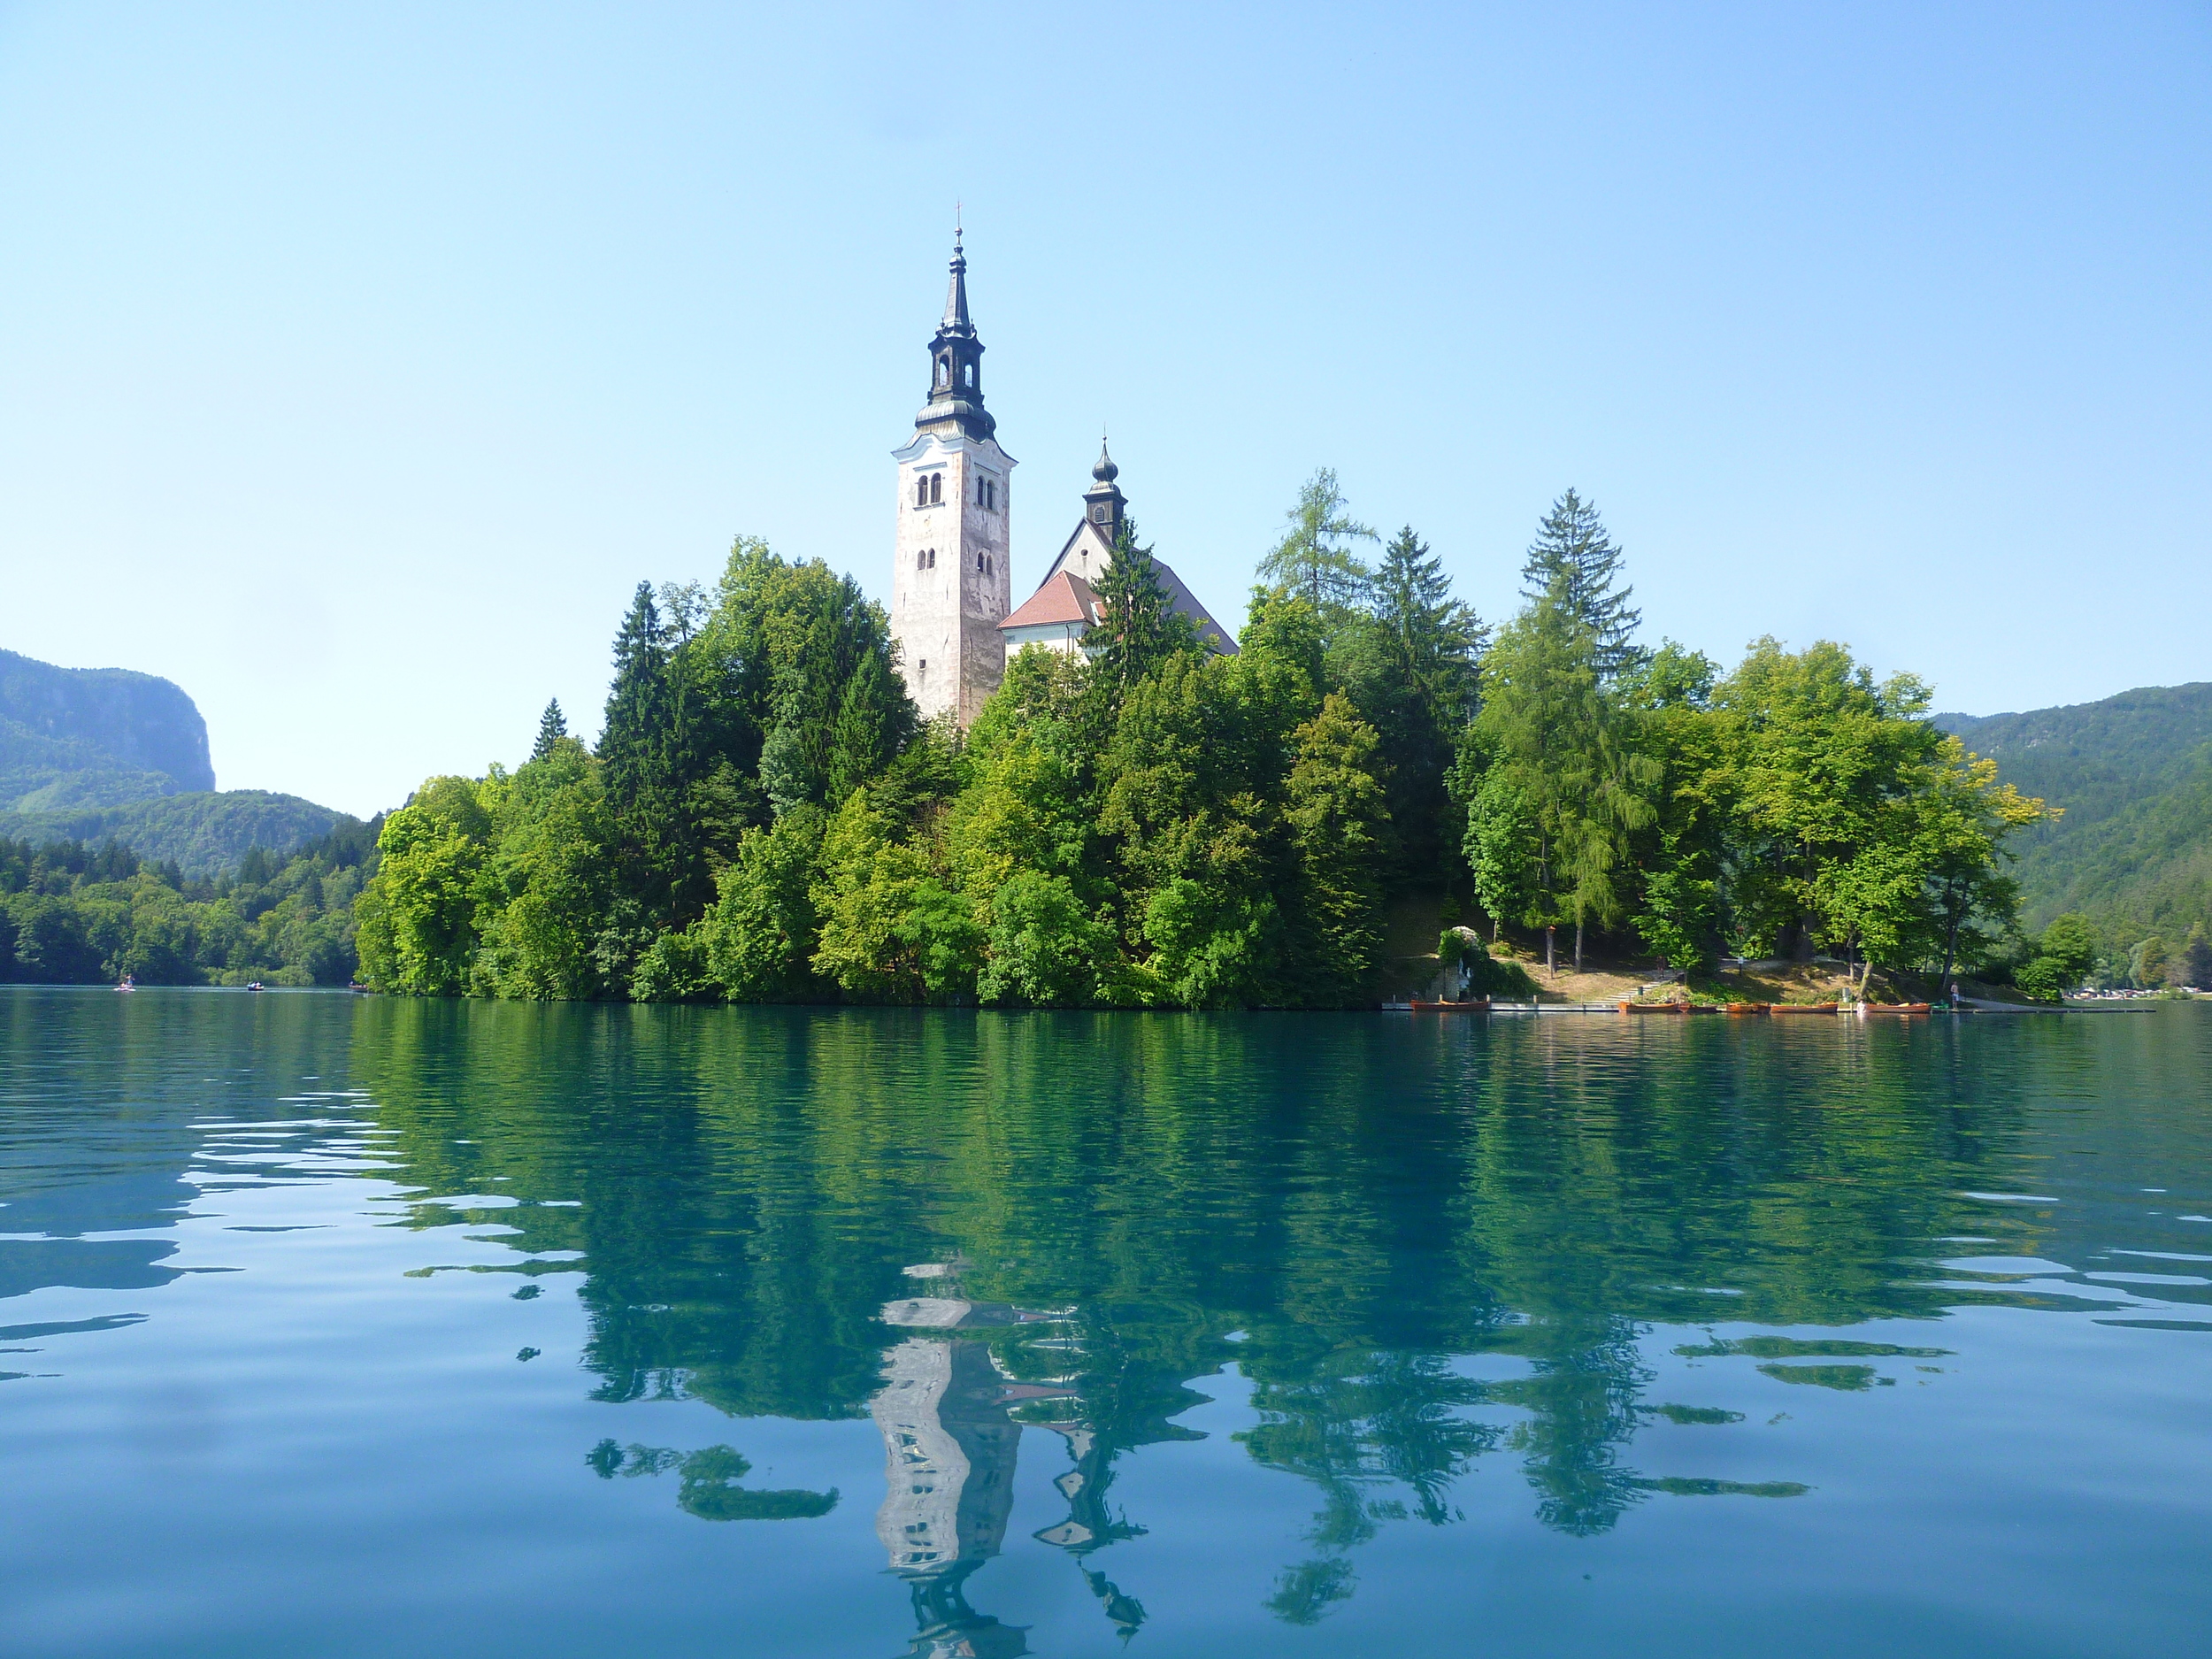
(955, 382)
(956, 293)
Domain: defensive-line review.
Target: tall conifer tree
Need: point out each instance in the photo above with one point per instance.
(552, 727)
(1314, 559)
(1574, 561)
(1141, 628)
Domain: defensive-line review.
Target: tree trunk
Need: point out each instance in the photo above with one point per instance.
(1951, 945)
(1551, 965)
(1578, 944)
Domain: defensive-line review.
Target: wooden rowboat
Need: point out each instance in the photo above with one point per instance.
(1746, 1008)
(1801, 1007)
(1480, 1005)
(1892, 1008)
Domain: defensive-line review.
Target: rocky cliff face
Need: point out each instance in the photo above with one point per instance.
(95, 737)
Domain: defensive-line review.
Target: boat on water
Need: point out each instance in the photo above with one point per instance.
(1479, 1005)
(126, 984)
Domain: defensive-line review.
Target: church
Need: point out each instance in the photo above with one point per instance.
(952, 612)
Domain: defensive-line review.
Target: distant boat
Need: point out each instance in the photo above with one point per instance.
(255, 985)
(127, 984)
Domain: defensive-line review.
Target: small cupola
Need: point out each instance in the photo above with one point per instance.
(1103, 503)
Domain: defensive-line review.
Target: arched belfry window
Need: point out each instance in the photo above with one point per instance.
(971, 375)
(936, 488)
(921, 491)
(932, 558)
(944, 372)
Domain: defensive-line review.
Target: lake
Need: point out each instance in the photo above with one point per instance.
(340, 1325)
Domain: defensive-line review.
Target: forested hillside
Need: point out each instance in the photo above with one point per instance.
(72, 913)
(102, 755)
(204, 835)
(95, 737)
(2133, 775)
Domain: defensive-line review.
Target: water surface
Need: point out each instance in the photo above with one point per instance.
(346, 1326)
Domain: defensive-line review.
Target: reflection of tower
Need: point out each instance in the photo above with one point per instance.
(949, 1447)
(949, 1469)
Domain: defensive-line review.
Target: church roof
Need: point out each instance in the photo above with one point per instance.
(1064, 598)
(1185, 600)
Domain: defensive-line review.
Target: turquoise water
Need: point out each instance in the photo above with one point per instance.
(349, 1326)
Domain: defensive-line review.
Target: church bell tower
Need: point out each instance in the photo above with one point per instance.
(950, 582)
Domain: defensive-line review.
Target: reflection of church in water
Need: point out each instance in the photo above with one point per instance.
(947, 1412)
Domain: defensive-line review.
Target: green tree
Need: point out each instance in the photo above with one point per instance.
(2194, 968)
(431, 856)
(1683, 856)
(1337, 815)
(1563, 749)
(1964, 816)
(2064, 958)
(552, 727)
(762, 932)
(548, 879)
(1410, 665)
(1573, 563)
(864, 893)
(1315, 558)
(1138, 627)
(1825, 760)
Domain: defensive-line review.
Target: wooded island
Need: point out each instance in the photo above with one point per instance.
(1150, 823)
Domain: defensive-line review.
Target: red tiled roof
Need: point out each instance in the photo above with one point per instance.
(1066, 598)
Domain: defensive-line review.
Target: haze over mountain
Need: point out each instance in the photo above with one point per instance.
(102, 754)
(2135, 775)
(95, 737)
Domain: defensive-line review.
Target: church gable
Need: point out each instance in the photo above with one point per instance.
(1086, 554)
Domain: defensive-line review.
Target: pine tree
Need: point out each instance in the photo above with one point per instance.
(1140, 627)
(552, 727)
(1573, 557)
(869, 729)
(1412, 667)
(2195, 968)
(634, 739)
(1312, 559)
(1436, 639)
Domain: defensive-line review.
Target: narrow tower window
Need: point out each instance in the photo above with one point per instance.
(932, 558)
(936, 488)
(921, 491)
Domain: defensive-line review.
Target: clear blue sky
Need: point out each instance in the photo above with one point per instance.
(358, 363)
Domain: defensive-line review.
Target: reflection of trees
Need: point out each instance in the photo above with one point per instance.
(1358, 1201)
(707, 1486)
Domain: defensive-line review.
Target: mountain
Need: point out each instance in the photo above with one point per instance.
(106, 754)
(2135, 775)
(95, 737)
